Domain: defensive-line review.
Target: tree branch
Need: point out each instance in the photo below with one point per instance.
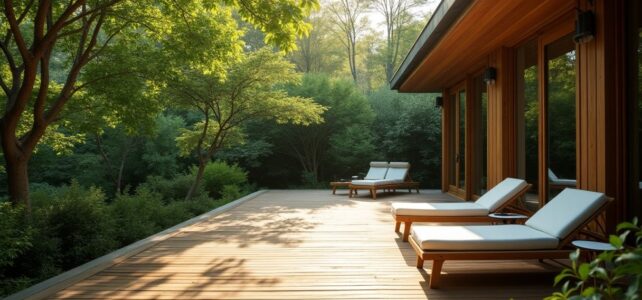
(15, 29)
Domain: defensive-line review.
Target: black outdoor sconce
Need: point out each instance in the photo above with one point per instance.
(584, 26)
(490, 75)
(439, 101)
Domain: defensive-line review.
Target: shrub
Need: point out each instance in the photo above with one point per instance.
(613, 274)
(172, 189)
(136, 216)
(76, 221)
(174, 213)
(15, 234)
(15, 238)
(219, 174)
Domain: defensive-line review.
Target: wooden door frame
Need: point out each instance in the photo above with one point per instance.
(455, 189)
(562, 27)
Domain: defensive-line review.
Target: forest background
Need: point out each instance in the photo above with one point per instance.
(181, 106)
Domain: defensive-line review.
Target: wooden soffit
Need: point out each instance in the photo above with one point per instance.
(484, 26)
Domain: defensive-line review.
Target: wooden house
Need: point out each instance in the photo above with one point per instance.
(546, 90)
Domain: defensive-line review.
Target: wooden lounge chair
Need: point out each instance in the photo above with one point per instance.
(377, 171)
(497, 199)
(397, 177)
(546, 234)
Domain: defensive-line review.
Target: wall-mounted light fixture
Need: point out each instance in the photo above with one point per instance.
(584, 26)
(439, 101)
(490, 75)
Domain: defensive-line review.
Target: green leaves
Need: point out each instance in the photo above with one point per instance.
(612, 275)
(281, 20)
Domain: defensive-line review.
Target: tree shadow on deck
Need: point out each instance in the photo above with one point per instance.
(178, 267)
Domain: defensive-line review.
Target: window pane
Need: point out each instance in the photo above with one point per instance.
(462, 139)
(527, 119)
(560, 92)
(480, 110)
(452, 120)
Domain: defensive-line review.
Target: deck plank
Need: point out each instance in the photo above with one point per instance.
(305, 244)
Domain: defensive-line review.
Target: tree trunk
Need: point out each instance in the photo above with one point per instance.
(199, 176)
(18, 180)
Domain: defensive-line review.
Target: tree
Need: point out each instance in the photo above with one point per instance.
(348, 112)
(397, 17)
(401, 118)
(249, 91)
(37, 33)
(317, 52)
(349, 23)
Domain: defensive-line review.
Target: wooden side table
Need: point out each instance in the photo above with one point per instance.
(591, 248)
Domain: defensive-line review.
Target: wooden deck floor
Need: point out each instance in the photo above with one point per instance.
(303, 244)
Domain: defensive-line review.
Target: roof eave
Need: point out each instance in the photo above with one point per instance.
(446, 14)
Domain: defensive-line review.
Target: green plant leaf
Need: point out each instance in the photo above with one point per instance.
(583, 271)
(616, 241)
(600, 273)
(588, 292)
(626, 226)
(565, 274)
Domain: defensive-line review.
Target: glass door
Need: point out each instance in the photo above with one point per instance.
(479, 128)
(458, 142)
(560, 114)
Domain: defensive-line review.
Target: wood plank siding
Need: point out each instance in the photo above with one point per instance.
(305, 245)
(488, 34)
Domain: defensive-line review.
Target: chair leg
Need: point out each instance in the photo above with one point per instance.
(334, 190)
(435, 274)
(397, 226)
(420, 262)
(350, 194)
(406, 231)
(373, 193)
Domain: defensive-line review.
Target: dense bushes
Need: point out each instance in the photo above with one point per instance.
(220, 179)
(72, 224)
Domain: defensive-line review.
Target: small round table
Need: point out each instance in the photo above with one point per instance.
(508, 218)
(591, 248)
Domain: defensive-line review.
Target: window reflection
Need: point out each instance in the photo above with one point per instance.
(527, 119)
(480, 110)
(560, 93)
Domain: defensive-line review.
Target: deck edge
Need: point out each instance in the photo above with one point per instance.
(63, 280)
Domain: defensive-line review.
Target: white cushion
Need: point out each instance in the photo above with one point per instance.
(438, 209)
(565, 182)
(367, 182)
(502, 192)
(397, 170)
(556, 180)
(377, 170)
(482, 237)
(567, 211)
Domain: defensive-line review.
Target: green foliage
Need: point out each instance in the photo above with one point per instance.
(351, 150)
(408, 128)
(137, 215)
(77, 221)
(16, 237)
(281, 20)
(222, 180)
(160, 152)
(174, 188)
(319, 146)
(613, 274)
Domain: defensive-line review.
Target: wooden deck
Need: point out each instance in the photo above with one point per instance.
(305, 244)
